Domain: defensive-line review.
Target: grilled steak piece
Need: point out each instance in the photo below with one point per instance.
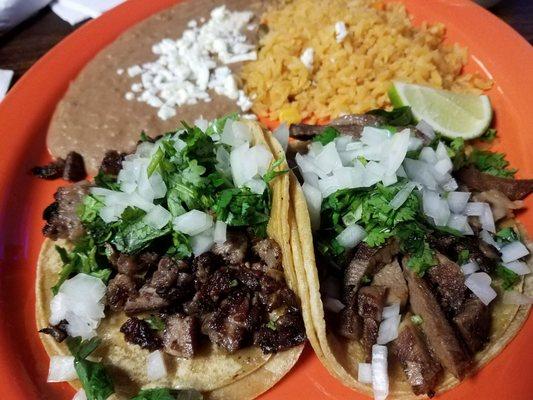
(58, 332)
(146, 300)
(500, 205)
(482, 253)
(74, 170)
(269, 252)
(475, 180)
(370, 303)
(172, 280)
(421, 369)
(449, 283)
(351, 125)
(119, 290)
(391, 277)
(366, 261)
(473, 323)
(112, 163)
(234, 249)
(286, 332)
(138, 331)
(441, 337)
(62, 221)
(51, 171)
(203, 266)
(349, 324)
(180, 337)
(229, 325)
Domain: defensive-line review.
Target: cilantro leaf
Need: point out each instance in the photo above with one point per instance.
(155, 322)
(491, 163)
(168, 394)
(92, 375)
(507, 235)
(489, 135)
(464, 256)
(507, 277)
(273, 171)
(327, 135)
(400, 116)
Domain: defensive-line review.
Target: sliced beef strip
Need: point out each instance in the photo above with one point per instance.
(269, 252)
(229, 325)
(62, 221)
(351, 125)
(349, 324)
(391, 277)
(370, 303)
(482, 253)
(365, 262)
(119, 290)
(473, 323)
(440, 334)
(234, 249)
(112, 163)
(421, 369)
(475, 180)
(180, 337)
(74, 170)
(500, 204)
(51, 171)
(146, 300)
(448, 280)
(138, 331)
(58, 332)
(287, 331)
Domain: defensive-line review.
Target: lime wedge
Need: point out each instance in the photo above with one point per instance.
(452, 114)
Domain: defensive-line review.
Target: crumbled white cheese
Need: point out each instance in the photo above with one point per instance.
(187, 68)
(340, 31)
(120, 71)
(129, 96)
(307, 58)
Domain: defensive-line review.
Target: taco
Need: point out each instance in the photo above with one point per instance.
(173, 269)
(411, 268)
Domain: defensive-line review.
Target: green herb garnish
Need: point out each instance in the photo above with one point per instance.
(400, 116)
(328, 135)
(464, 256)
(155, 322)
(491, 163)
(168, 394)
(507, 277)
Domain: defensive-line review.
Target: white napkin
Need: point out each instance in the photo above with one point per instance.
(5, 79)
(74, 11)
(12, 12)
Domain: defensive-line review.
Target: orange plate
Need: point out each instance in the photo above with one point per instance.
(496, 50)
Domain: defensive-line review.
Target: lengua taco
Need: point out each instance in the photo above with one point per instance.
(172, 270)
(411, 268)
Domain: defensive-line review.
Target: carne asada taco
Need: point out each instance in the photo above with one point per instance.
(411, 268)
(174, 268)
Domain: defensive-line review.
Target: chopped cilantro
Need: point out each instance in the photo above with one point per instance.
(92, 375)
(464, 256)
(489, 135)
(400, 116)
(491, 163)
(271, 325)
(327, 135)
(155, 322)
(507, 235)
(168, 394)
(507, 277)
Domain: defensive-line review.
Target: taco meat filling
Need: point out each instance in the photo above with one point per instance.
(407, 241)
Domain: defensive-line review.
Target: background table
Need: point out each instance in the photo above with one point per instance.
(24, 45)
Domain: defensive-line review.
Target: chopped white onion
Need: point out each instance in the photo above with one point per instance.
(219, 235)
(426, 129)
(282, 135)
(487, 238)
(80, 395)
(202, 123)
(513, 297)
(388, 329)
(202, 242)
(328, 159)
(155, 366)
(513, 251)
(402, 195)
(487, 219)
(450, 185)
(79, 301)
(435, 207)
(333, 305)
(427, 154)
(380, 376)
(479, 284)
(310, 178)
(420, 172)
(374, 136)
(390, 311)
(235, 133)
(475, 208)
(457, 201)
(518, 267)
(242, 167)
(256, 185)
(157, 217)
(470, 267)
(443, 166)
(193, 222)
(351, 236)
(459, 223)
(397, 148)
(61, 369)
(414, 143)
(441, 152)
(313, 197)
(364, 373)
(262, 158)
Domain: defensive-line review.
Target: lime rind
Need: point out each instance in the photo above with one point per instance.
(451, 114)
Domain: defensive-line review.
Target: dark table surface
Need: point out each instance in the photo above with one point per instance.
(24, 45)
